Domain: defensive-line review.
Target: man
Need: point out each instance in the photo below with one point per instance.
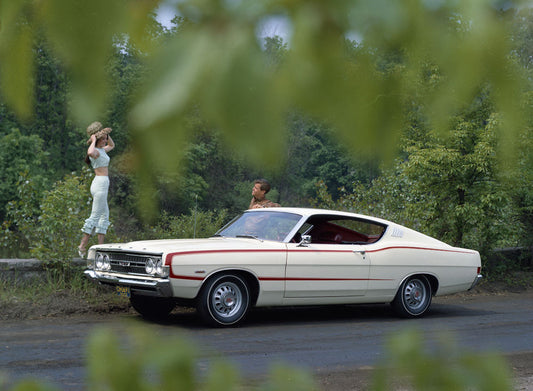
(261, 188)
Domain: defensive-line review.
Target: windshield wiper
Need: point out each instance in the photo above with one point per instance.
(217, 236)
(246, 236)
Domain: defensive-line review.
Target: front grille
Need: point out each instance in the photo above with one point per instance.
(129, 263)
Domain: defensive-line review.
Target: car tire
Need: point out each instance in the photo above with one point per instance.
(152, 307)
(224, 300)
(413, 298)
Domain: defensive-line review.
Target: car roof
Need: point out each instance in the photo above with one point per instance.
(307, 212)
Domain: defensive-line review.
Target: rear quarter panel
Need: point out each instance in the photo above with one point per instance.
(403, 252)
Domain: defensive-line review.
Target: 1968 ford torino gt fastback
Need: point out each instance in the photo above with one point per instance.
(286, 257)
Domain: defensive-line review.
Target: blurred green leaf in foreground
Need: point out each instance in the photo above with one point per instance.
(214, 66)
(138, 359)
(443, 367)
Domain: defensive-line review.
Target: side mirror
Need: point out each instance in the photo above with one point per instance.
(306, 240)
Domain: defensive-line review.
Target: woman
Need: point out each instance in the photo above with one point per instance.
(100, 143)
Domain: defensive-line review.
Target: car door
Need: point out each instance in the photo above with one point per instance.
(326, 270)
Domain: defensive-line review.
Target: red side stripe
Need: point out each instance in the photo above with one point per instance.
(321, 279)
(168, 260)
(290, 279)
(420, 248)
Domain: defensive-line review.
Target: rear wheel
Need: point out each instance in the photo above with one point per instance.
(413, 298)
(224, 300)
(152, 307)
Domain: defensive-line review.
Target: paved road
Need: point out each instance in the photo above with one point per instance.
(320, 339)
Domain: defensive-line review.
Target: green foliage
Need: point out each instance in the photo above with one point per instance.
(447, 186)
(283, 377)
(167, 364)
(51, 120)
(444, 367)
(455, 190)
(314, 155)
(48, 224)
(364, 105)
(144, 362)
(213, 62)
(201, 109)
(33, 385)
(196, 224)
(140, 360)
(416, 63)
(22, 215)
(519, 177)
(18, 154)
(63, 210)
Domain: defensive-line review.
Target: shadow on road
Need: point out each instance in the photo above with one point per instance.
(306, 315)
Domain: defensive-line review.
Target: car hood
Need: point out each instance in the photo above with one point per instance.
(182, 245)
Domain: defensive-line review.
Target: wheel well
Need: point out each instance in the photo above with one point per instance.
(249, 278)
(433, 281)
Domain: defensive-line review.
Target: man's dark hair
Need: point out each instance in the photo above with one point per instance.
(265, 185)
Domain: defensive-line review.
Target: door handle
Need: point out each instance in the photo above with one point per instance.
(362, 252)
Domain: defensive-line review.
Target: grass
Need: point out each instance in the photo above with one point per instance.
(55, 294)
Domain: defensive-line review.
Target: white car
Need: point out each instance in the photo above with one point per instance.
(286, 257)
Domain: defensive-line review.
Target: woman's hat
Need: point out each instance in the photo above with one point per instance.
(98, 130)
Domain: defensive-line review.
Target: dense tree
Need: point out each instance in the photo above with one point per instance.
(19, 155)
(217, 64)
(517, 176)
(519, 172)
(446, 185)
(219, 108)
(314, 154)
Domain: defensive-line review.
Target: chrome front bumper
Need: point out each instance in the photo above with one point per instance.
(476, 280)
(148, 287)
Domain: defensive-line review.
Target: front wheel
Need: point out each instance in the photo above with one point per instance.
(152, 307)
(413, 298)
(224, 300)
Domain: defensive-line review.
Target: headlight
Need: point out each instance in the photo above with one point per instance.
(159, 267)
(150, 266)
(155, 267)
(99, 262)
(107, 262)
(102, 262)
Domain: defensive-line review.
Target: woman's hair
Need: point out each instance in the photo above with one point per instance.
(87, 160)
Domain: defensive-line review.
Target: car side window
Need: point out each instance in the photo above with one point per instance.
(335, 230)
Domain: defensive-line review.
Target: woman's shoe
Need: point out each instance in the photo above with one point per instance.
(82, 253)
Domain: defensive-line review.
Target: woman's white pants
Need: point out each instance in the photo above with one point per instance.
(98, 221)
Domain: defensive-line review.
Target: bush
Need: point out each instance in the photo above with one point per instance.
(196, 224)
(62, 212)
(47, 226)
(18, 231)
(18, 154)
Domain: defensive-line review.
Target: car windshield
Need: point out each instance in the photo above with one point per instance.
(261, 225)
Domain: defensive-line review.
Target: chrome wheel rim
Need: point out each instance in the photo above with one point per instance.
(226, 299)
(415, 294)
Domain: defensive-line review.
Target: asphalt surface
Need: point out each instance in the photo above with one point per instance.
(322, 340)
